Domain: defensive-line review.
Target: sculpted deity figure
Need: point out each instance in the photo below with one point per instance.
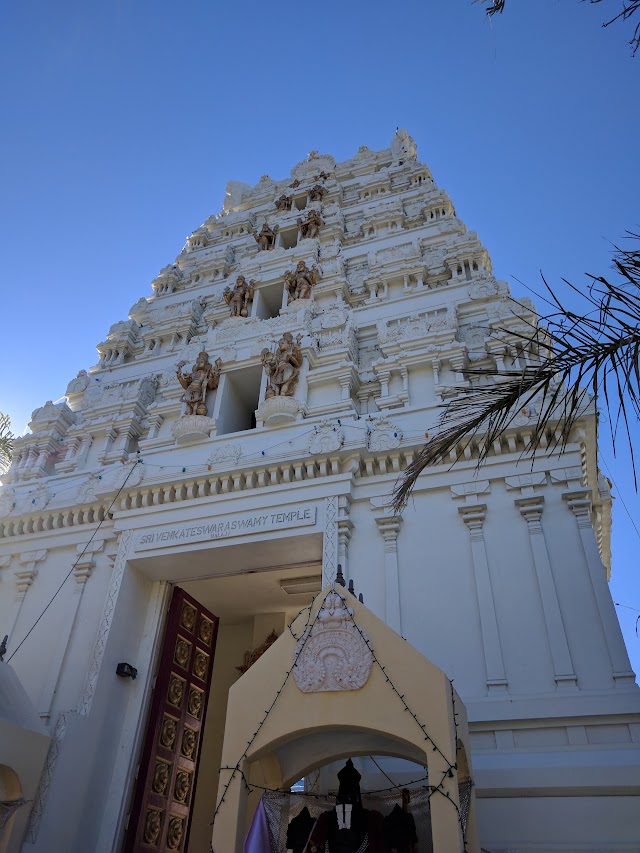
(240, 298)
(204, 377)
(310, 227)
(317, 193)
(266, 239)
(284, 202)
(283, 366)
(300, 281)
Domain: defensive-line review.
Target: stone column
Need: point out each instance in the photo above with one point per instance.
(473, 516)
(389, 527)
(24, 578)
(69, 607)
(579, 502)
(531, 510)
(345, 526)
(330, 541)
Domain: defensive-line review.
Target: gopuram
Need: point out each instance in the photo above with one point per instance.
(208, 600)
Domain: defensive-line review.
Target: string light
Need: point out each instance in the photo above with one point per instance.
(305, 635)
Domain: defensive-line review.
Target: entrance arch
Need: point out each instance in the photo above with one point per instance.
(275, 732)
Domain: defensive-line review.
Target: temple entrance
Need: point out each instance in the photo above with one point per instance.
(255, 590)
(162, 807)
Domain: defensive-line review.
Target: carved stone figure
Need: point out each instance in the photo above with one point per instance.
(204, 376)
(317, 193)
(266, 239)
(310, 227)
(283, 366)
(239, 298)
(300, 281)
(284, 202)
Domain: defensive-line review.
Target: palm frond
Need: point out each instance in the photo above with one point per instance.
(578, 357)
(6, 442)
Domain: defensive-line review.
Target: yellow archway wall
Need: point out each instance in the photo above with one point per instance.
(306, 730)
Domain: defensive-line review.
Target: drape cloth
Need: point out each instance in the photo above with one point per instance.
(258, 839)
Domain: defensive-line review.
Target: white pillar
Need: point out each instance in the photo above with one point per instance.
(579, 502)
(389, 527)
(531, 510)
(473, 516)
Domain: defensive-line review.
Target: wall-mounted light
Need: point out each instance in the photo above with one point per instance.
(125, 670)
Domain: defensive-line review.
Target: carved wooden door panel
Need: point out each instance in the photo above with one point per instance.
(163, 798)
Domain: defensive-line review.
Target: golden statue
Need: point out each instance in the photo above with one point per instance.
(239, 298)
(283, 366)
(266, 239)
(310, 227)
(300, 281)
(204, 376)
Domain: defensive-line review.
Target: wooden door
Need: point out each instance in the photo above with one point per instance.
(163, 799)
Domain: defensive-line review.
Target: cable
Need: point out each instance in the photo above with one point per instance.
(68, 575)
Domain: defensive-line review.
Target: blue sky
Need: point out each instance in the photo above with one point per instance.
(123, 121)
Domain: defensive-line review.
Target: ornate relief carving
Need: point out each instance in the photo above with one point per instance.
(279, 410)
(200, 663)
(45, 780)
(168, 732)
(192, 428)
(205, 630)
(182, 652)
(176, 690)
(105, 623)
(332, 654)
(194, 705)
(79, 384)
(326, 438)
(188, 616)
(182, 786)
(152, 827)
(383, 435)
(160, 781)
(227, 453)
(189, 742)
(330, 540)
(174, 833)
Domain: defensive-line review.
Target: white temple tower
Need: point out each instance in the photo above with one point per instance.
(242, 510)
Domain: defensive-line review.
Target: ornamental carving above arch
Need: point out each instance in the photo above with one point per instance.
(333, 654)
